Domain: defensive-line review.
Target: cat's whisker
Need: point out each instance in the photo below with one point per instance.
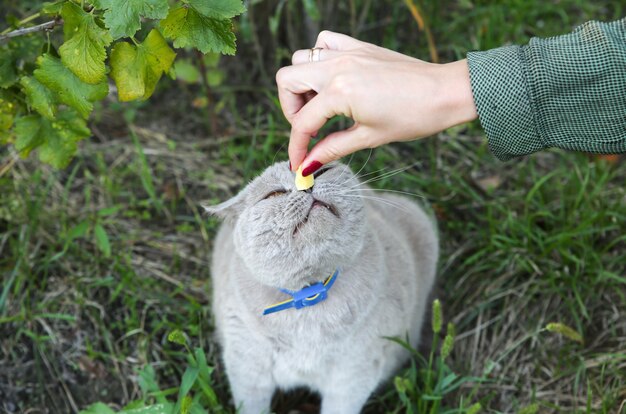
(278, 151)
(385, 175)
(358, 177)
(347, 169)
(379, 199)
(386, 191)
(365, 163)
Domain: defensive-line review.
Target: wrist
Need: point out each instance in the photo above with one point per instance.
(457, 96)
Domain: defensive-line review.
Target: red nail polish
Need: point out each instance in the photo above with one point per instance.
(289, 165)
(313, 166)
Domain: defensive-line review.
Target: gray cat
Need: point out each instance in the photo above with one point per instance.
(344, 269)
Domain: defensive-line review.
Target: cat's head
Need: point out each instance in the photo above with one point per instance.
(291, 238)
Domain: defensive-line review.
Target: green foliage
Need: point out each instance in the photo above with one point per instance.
(425, 385)
(17, 57)
(67, 87)
(137, 69)
(195, 393)
(437, 317)
(39, 97)
(123, 17)
(177, 337)
(37, 82)
(7, 115)
(8, 73)
(203, 25)
(102, 240)
(98, 408)
(565, 331)
(55, 139)
(84, 50)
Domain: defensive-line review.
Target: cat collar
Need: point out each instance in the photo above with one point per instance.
(308, 296)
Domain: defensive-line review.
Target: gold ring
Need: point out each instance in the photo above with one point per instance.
(314, 54)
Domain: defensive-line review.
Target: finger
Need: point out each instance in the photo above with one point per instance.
(290, 102)
(295, 84)
(302, 56)
(335, 146)
(337, 41)
(306, 123)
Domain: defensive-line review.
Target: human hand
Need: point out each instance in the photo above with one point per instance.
(390, 96)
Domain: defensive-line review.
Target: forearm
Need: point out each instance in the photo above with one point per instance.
(567, 91)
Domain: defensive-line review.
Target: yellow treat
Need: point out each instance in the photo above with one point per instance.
(303, 183)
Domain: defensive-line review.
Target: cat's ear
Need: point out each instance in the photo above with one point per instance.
(229, 209)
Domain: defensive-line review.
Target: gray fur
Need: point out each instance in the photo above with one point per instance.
(387, 252)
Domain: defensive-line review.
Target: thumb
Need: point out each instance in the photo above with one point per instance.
(335, 146)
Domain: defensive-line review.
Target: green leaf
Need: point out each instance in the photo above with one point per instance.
(185, 406)
(61, 144)
(136, 70)
(102, 240)
(311, 10)
(218, 9)
(7, 115)
(38, 97)
(529, 409)
(162, 408)
(148, 383)
(97, 408)
(123, 17)
(80, 230)
(16, 57)
(215, 77)
(30, 131)
(186, 71)
(565, 331)
(56, 140)
(189, 378)
(399, 384)
(8, 74)
(84, 50)
(109, 211)
(199, 25)
(52, 7)
(69, 89)
(177, 336)
(128, 72)
(475, 408)
(205, 369)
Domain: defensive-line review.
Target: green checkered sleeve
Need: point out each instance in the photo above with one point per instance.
(567, 91)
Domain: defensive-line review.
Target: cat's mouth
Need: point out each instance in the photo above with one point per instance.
(315, 204)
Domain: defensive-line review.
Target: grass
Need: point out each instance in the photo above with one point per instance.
(100, 262)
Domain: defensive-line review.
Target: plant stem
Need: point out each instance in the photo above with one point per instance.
(39, 28)
(209, 95)
(423, 25)
(21, 22)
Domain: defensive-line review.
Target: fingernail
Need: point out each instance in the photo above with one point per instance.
(289, 165)
(311, 168)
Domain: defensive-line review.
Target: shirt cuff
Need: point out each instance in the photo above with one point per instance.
(503, 102)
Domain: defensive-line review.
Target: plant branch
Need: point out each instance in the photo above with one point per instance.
(39, 28)
(209, 95)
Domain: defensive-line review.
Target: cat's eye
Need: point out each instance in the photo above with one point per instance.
(321, 171)
(275, 193)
